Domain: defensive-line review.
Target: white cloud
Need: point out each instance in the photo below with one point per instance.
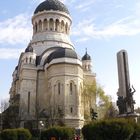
(129, 26)
(8, 53)
(83, 29)
(15, 30)
(84, 39)
(83, 6)
(136, 9)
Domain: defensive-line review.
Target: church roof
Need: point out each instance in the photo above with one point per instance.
(86, 56)
(61, 53)
(48, 5)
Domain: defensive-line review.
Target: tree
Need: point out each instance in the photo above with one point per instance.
(111, 112)
(10, 117)
(95, 98)
(10, 113)
(3, 106)
(89, 99)
(53, 115)
(103, 102)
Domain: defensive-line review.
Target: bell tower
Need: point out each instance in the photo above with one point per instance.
(86, 62)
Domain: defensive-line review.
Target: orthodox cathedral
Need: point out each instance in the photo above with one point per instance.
(50, 76)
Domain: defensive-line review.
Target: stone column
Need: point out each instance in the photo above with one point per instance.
(123, 73)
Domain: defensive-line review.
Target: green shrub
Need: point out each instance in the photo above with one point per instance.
(0, 135)
(108, 130)
(9, 134)
(47, 134)
(58, 132)
(16, 134)
(23, 134)
(35, 132)
(66, 133)
(136, 134)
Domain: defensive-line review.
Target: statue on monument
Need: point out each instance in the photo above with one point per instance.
(121, 103)
(129, 98)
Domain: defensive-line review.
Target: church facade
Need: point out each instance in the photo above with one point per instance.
(48, 81)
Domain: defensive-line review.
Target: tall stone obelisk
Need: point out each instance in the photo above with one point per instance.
(123, 73)
(125, 94)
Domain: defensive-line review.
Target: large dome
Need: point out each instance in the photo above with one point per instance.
(48, 5)
(61, 53)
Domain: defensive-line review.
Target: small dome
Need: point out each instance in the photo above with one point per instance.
(16, 68)
(60, 53)
(29, 49)
(86, 57)
(48, 5)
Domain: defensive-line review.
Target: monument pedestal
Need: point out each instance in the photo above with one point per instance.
(129, 116)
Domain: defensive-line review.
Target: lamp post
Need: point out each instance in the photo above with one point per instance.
(41, 126)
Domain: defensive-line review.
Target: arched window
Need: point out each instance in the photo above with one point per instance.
(51, 24)
(71, 110)
(57, 25)
(59, 88)
(28, 103)
(62, 26)
(35, 27)
(30, 59)
(66, 28)
(26, 60)
(49, 88)
(71, 88)
(89, 68)
(40, 26)
(86, 67)
(45, 25)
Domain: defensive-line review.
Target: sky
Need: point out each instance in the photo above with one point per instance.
(104, 27)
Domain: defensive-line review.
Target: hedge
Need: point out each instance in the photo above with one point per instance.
(109, 130)
(136, 134)
(63, 133)
(35, 133)
(16, 134)
(9, 134)
(23, 134)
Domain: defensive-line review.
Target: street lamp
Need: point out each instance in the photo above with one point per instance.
(41, 126)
